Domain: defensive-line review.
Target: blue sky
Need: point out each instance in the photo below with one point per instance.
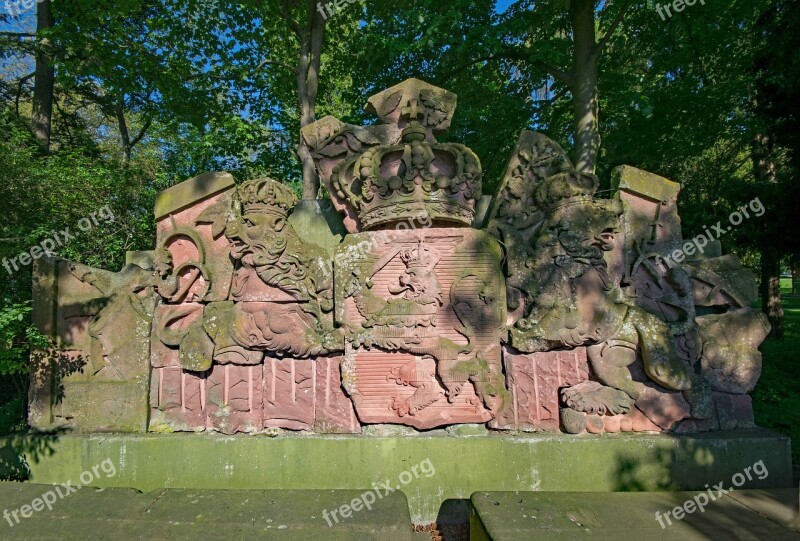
(502, 5)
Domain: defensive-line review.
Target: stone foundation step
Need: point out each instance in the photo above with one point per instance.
(33, 511)
(742, 515)
(431, 469)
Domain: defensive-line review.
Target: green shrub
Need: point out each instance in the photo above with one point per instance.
(17, 337)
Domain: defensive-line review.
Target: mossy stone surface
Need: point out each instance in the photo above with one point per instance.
(462, 465)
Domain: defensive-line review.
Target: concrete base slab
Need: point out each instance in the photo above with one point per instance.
(779, 505)
(510, 516)
(436, 471)
(91, 513)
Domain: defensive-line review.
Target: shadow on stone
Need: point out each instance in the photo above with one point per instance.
(17, 451)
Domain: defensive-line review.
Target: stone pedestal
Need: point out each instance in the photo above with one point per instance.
(458, 465)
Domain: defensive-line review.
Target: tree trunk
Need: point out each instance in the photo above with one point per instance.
(771, 291)
(585, 99)
(307, 88)
(42, 118)
(123, 131)
(765, 170)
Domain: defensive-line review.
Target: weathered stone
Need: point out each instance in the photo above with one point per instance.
(76, 303)
(412, 100)
(235, 395)
(331, 142)
(103, 406)
(190, 248)
(256, 313)
(731, 360)
(333, 409)
(662, 407)
(277, 266)
(196, 351)
(191, 191)
(101, 325)
(171, 324)
(712, 250)
(510, 516)
(574, 421)
(178, 400)
(518, 462)
(534, 381)
(568, 295)
(44, 317)
(468, 430)
(390, 181)
(722, 282)
(644, 260)
(692, 426)
(422, 307)
(143, 258)
(641, 182)
(289, 393)
(515, 217)
(318, 222)
(734, 411)
(172, 513)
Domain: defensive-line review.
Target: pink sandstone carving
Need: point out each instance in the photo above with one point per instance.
(552, 310)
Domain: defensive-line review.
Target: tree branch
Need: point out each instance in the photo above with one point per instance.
(513, 54)
(19, 89)
(284, 9)
(268, 62)
(18, 34)
(611, 29)
(141, 134)
(447, 76)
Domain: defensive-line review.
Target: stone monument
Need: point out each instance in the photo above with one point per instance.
(414, 300)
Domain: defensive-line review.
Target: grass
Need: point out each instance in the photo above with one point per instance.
(776, 399)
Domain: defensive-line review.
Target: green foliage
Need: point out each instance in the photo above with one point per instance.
(776, 399)
(12, 417)
(43, 195)
(17, 337)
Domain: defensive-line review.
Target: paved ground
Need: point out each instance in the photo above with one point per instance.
(99, 514)
(755, 515)
(126, 514)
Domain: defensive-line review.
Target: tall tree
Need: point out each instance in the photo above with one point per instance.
(44, 84)
(776, 146)
(310, 34)
(564, 45)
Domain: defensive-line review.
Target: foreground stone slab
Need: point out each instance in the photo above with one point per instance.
(91, 513)
(504, 516)
(429, 469)
(780, 505)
